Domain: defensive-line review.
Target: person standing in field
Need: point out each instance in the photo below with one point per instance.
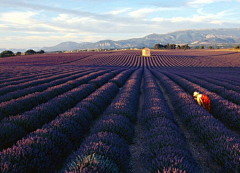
(202, 99)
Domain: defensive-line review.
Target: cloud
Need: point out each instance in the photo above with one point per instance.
(31, 20)
(197, 3)
(217, 22)
(40, 38)
(143, 12)
(26, 22)
(140, 13)
(158, 19)
(81, 20)
(46, 40)
(92, 38)
(2, 26)
(201, 2)
(117, 12)
(102, 18)
(71, 19)
(202, 17)
(38, 7)
(23, 18)
(195, 18)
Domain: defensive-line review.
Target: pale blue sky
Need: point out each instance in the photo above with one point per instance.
(27, 23)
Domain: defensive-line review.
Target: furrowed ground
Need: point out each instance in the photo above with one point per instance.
(117, 111)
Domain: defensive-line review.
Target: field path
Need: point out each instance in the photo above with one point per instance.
(137, 147)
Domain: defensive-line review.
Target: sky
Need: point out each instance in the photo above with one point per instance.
(28, 23)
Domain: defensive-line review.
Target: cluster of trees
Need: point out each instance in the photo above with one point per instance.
(9, 53)
(184, 46)
(6, 53)
(171, 46)
(31, 52)
(236, 47)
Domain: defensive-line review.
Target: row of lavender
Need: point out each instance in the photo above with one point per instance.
(45, 149)
(229, 82)
(106, 149)
(170, 61)
(130, 59)
(16, 126)
(16, 76)
(21, 88)
(29, 101)
(166, 149)
(122, 60)
(119, 129)
(45, 59)
(222, 143)
(225, 110)
(228, 78)
(133, 60)
(230, 75)
(21, 72)
(221, 89)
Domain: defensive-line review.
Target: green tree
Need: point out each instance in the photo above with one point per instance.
(210, 47)
(201, 47)
(41, 51)
(30, 52)
(18, 53)
(158, 46)
(6, 53)
(236, 47)
(171, 46)
(185, 46)
(197, 47)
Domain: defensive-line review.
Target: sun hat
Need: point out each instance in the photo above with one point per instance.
(195, 93)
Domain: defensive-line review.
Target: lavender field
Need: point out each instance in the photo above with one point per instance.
(117, 111)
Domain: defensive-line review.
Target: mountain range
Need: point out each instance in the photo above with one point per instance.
(227, 36)
(214, 37)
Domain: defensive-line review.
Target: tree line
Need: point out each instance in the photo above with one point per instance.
(236, 47)
(171, 46)
(9, 53)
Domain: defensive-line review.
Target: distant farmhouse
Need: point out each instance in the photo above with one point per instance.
(146, 52)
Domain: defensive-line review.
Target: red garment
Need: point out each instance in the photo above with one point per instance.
(206, 102)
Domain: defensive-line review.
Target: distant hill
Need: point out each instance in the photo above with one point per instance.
(191, 37)
(64, 46)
